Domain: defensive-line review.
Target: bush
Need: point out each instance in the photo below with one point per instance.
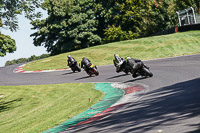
(113, 34)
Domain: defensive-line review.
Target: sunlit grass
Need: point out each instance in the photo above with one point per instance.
(38, 108)
(177, 44)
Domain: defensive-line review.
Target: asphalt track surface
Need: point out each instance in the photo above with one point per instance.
(172, 104)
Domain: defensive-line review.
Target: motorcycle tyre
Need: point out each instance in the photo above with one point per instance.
(73, 70)
(147, 72)
(126, 72)
(95, 71)
(78, 68)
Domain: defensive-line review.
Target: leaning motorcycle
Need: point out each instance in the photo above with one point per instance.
(92, 70)
(144, 71)
(75, 67)
(118, 63)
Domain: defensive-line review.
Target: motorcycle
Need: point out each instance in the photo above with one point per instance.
(143, 70)
(92, 70)
(74, 66)
(118, 63)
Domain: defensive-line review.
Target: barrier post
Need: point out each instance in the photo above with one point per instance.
(176, 29)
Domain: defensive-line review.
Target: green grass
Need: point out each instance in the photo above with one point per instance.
(177, 44)
(35, 109)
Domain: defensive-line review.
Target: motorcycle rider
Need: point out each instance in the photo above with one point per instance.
(119, 63)
(133, 64)
(85, 64)
(71, 60)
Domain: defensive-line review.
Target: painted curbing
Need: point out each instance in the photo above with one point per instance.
(117, 96)
(20, 70)
(102, 105)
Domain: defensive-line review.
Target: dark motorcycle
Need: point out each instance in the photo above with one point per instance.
(118, 64)
(92, 70)
(74, 66)
(143, 70)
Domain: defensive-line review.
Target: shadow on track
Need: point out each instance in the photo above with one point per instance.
(68, 73)
(167, 106)
(118, 76)
(84, 77)
(197, 126)
(132, 80)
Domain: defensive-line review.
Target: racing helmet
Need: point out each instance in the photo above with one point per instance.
(127, 57)
(116, 55)
(68, 56)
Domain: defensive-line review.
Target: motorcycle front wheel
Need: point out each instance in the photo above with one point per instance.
(147, 72)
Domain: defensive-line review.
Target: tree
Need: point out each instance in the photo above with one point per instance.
(105, 10)
(9, 9)
(70, 25)
(161, 16)
(139, 18)
(113, 34)
(124, 16)
(7, 45)
(184, 4)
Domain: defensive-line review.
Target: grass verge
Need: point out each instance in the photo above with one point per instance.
(38, 108)
(177, 44)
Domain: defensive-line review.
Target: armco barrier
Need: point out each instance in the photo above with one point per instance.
(178, 29)
(189, 27)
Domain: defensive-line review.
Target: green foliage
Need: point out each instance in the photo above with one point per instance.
(183, 4)
(141, 17)
(7, 45)
(9, 9)
(68, 27)
(1, 22)
(104, 14)
(113, 34)
(23, 60)
(160, 17)
(130, 17)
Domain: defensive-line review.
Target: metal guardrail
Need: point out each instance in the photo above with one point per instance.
(179, 29)
(189, 27)
(182, 28)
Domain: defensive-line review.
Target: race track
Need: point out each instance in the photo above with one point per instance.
(172, 104)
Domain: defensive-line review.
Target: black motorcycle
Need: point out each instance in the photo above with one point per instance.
(74, 66)
(142, 70)
(120, 63)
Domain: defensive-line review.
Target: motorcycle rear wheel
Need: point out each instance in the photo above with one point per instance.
(95, 71)
(73, 70)
(78, 68)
